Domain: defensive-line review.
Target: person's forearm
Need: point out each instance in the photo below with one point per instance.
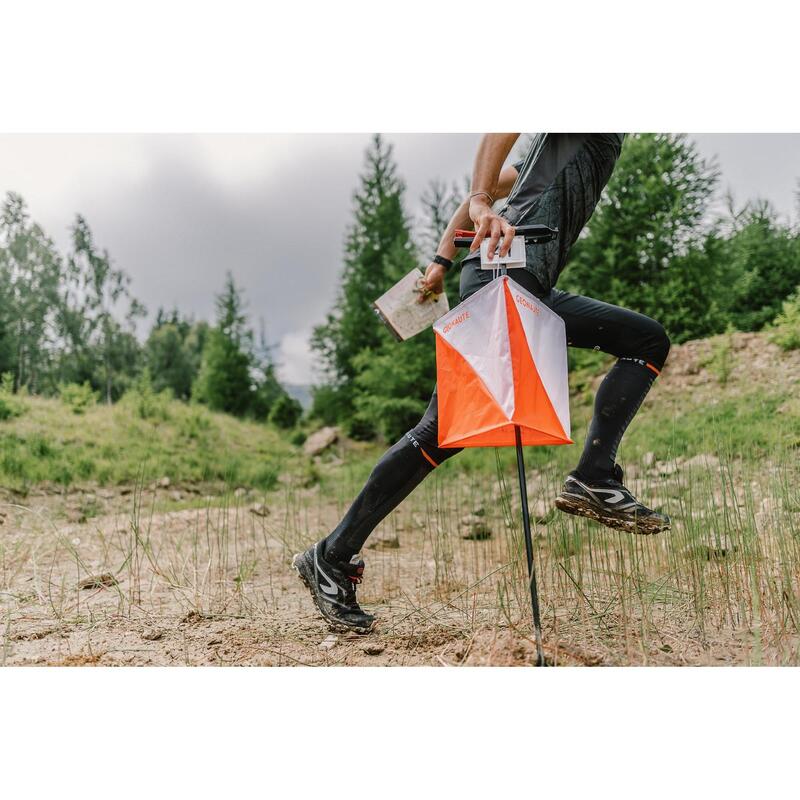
(461, 220)
(492, 152)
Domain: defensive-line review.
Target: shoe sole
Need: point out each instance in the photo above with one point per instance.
(335, 625)
(646, 526)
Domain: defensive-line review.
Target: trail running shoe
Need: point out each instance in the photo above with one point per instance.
(610, 503)
(333, 589)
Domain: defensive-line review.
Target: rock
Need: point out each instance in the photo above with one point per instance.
(176, 496)
(712, 546)
(702, 461)
(475, 528)
(98, 581)
(163, 483)
(385, 543)
(320, 440)
(240, 492)
(152, 634)
(260, 510)
(328, 643)
(193, 617)
(667, 467)
(648, 459)
(212, 642)
(373, 648)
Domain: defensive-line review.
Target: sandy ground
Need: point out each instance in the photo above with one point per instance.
(213, 586)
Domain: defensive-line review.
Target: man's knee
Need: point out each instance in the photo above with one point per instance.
(655, 344)
(661, 344)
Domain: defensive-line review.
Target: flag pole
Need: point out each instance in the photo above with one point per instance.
(526, 526)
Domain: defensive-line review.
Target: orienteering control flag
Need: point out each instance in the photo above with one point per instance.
(501, 362)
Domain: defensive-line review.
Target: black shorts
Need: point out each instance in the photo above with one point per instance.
(590, 324)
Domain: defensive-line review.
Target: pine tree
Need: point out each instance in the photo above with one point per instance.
(380, 227)
(764, 256)
(646, 246)
(389, 398)
(172, 355)
(224, 382)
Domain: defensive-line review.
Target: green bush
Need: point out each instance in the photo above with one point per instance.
(265, 477)
(720, 361)
(10, 406)
(785, 330)
(298, 438)
(145, 402)
(195, 424)
(286, 412)
(78, 397)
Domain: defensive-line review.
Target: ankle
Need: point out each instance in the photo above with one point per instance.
(337, 552)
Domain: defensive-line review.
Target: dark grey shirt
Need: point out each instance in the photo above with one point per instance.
(559, 184)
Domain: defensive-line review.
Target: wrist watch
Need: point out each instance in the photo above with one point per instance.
(445, 262)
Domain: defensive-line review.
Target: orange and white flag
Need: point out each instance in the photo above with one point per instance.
(501, 362)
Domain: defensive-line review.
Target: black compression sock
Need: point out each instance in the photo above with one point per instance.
(618, 399)
(401, 468)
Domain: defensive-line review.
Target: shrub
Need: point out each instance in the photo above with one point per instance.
(298, 438)
(785, 330)
(720, 362)
(10, 406)
(78, 397)
(195, 424)
(286, 412)
(265, 478)
(145, 402)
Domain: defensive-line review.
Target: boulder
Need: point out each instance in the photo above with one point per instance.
(702, 461)
(320, 441)
(474, 528)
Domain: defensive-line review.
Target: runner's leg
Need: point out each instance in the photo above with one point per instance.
(641, 346)
(399, 471)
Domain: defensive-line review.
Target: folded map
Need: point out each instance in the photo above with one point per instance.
(399, 310)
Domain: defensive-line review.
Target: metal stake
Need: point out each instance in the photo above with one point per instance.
(526, 526)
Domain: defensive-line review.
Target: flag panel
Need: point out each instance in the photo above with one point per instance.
(478, 332)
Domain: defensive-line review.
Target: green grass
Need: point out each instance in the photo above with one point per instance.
(47, 442)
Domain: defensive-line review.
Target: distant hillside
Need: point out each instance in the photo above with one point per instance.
(139, 438)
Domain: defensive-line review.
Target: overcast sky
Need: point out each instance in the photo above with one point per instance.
(178, 210)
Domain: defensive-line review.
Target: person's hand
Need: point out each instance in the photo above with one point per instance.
(432, 283)
(488, 224)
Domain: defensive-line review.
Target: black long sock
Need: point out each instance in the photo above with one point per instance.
(401, 469)
(618, 399)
